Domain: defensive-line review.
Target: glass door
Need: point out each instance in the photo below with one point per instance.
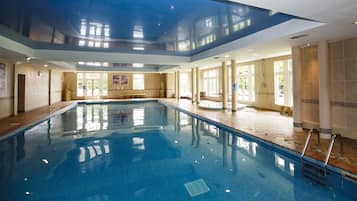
(89, 88)
(96, 88)
(93, 88)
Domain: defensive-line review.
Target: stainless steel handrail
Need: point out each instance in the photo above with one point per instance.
(333, 137)
(306, 143)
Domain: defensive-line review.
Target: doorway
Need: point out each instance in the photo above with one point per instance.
(21, 93)
(93, 88)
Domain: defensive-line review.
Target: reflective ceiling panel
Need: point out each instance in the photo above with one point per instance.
(171, 26)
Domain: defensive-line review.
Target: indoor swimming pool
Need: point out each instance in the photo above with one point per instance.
(136, 151)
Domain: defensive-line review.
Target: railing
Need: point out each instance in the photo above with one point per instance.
(333, 138)
(306, 143)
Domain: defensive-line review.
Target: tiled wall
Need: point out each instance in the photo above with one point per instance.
(264, 82)
(36, 89)
(170, 85)
(6, 101)
(56, 86)
(310, 86)
(36, 85)
(343, 86)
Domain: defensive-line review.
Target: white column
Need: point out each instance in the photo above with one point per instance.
(234, 85)
(296, 61)
(198, 80)
(49, 85)
(175, 75)
(224, 85)
(324, 89)
(178, 84)
(193, 80)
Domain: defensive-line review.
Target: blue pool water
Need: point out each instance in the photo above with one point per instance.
(147, 151)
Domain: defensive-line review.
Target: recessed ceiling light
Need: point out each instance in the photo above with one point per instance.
(172, 7)
(138, 65)
(46, 65)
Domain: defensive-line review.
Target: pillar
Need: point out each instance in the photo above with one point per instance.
(324, 89)
(193, 85)
(198, 80)
(178, 85)
(296, 62)
(224, 85)
(234, 85)
(49, 85)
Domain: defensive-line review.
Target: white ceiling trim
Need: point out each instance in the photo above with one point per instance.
(285, 29)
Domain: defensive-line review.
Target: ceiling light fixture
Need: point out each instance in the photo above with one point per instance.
(138, 65)
(28, 59)
(46, 65)
(355, 22)
(138, 48)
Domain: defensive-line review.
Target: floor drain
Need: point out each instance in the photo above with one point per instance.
(196, 187)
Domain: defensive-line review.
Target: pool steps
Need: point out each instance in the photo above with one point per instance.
(314, 172)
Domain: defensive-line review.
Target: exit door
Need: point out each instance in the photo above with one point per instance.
(21, 93)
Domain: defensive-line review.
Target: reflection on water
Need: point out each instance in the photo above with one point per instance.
(191, 26)
(133, 159)
(91, 151)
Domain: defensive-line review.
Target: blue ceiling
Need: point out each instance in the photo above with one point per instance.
(188, 26)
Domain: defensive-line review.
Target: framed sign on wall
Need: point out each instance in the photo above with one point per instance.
(120, 80)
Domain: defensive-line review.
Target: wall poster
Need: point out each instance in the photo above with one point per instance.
(120, 80)
(3, 80)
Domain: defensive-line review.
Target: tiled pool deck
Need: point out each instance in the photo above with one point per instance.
(267, 125)
(277, 129)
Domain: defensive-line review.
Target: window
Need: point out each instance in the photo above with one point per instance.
(210, 82)
(245, 81)
(185, 84)
(138, 81)
(92, 84)
(283, 82)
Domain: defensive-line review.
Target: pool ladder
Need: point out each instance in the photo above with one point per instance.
(313, 171)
